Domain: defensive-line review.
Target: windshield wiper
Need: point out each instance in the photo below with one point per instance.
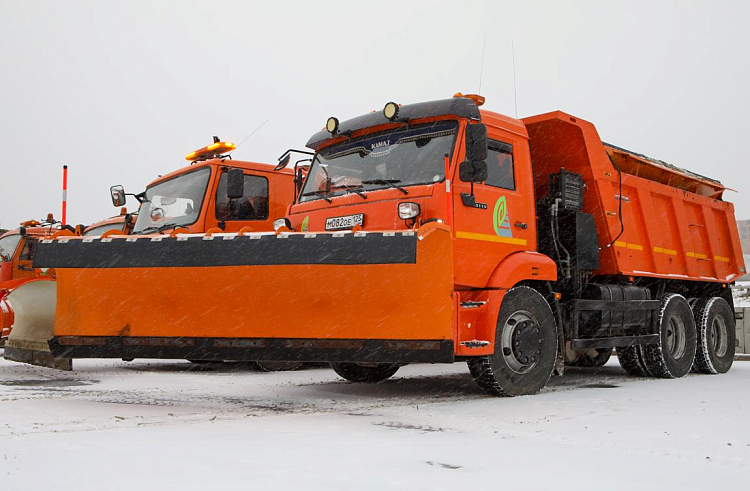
(322, 193)
(354, 188)
(161, 228)
(388, 182)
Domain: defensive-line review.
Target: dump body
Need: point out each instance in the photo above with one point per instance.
(674, 223)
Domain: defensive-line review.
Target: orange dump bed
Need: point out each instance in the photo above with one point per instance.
(653, 219)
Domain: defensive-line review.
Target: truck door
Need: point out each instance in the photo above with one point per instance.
(501, 220)
(249, 211)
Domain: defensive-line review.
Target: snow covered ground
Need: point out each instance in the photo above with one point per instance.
(173, 425)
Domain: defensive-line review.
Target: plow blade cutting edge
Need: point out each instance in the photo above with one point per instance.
(33, 304)
(375, 296)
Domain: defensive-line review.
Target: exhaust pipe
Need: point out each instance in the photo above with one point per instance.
(33, 305)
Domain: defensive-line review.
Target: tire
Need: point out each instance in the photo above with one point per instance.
(367, 374)
(715, 346)
(673, 355)
(584, 360)
(278, 366)
(631, 361)
(525, 346)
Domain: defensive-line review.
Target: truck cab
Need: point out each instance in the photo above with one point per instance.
(404, 173)
(196, 199)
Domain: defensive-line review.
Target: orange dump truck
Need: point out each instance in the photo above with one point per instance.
(434, 232)
(214, 195)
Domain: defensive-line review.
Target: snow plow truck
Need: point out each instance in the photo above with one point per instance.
(433, 232)
(17, 250)
(213, 194)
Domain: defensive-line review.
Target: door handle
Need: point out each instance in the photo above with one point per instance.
(521, 225)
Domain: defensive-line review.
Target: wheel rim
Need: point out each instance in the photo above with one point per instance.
(717, 336)
(676, 337)
(521, 342)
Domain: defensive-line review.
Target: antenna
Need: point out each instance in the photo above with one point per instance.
(481, 69)
(65, 195)
(252, 133)
(515, 93)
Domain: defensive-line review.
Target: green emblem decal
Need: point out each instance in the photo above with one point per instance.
(501, 220)
(303, 227)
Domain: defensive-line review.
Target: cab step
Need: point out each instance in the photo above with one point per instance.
(472, 304)
(475, 343)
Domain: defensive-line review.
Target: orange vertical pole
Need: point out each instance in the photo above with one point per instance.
(65, 195)
(448, 200)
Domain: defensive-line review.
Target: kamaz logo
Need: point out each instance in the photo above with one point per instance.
(384, 143)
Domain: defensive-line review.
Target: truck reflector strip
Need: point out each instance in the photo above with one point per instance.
(635, 247)
(490, 238)
(255, 250)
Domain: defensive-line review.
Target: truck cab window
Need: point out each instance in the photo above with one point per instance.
(252, 206)
(8, 245)
(27, 253)
(500, 165)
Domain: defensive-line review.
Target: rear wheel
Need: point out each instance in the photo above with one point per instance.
(673, 355)
(278, 366)
(525, 346)
(715, 346)
(369, 374)
(631, 361)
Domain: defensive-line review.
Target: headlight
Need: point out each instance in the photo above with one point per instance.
(282, 222)
(408, 210)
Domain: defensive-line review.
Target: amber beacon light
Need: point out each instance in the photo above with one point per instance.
(216, 149)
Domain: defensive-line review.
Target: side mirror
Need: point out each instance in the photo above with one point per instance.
(475, 171)
(283, 162)
(118, 195)
(235, 183)
(476, 142)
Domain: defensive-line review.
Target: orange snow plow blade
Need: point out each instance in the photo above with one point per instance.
(297, 296)
(33, 305)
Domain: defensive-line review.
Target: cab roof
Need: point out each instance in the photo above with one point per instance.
(460, 107)
(237, 164)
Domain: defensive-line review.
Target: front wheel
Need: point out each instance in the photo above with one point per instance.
(525, 346)
(368, 374)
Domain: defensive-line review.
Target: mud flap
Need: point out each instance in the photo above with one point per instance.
(33, 304)
(313, 291)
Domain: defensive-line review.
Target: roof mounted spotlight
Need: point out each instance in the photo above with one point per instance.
(390, 111)
(332, 125)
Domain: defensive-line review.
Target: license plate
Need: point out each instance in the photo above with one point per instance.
(349, 221)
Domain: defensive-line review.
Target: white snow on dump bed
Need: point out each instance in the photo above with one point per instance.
(172, 425)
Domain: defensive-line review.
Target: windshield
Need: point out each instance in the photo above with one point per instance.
(97, 231)
(8, 245)
(177, 201)
(402, 157)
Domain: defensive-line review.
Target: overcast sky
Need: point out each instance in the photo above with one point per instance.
(121, 91)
